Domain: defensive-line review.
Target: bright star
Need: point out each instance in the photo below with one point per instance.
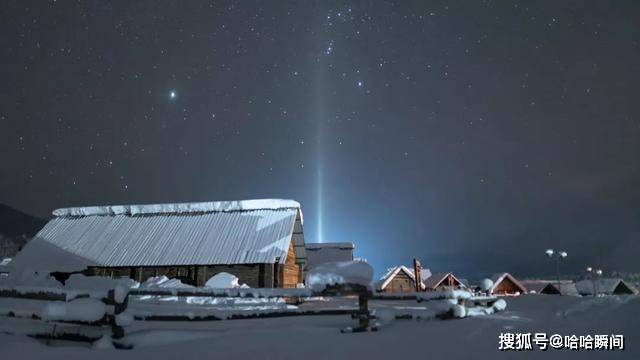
(172, 94)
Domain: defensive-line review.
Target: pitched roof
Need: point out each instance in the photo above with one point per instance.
(436, 279)
(393, 271)
(606, 286)
(500, 277)
(565, 288)
(228, 232)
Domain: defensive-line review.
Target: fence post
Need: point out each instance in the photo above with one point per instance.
(117, 331)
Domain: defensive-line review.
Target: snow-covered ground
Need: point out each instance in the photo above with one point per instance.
(318, 337)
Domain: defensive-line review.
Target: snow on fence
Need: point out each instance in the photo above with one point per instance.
(80, 307)
(106, 303)
(109, 309)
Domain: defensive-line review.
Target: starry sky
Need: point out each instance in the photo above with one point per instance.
(472, 135)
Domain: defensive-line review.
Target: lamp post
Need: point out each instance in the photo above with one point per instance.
(594, 273)
(558, 256)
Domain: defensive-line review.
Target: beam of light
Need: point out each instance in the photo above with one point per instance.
(319, 184)
(320, 114)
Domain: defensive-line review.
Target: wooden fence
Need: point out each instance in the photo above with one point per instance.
(116, 306)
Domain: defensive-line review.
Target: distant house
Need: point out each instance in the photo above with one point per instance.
(259, 241)
(605, 286)
(534, 286)
(401, 279)
(506, 284)
(321, 253)
(441, 281)
(550, 287)
(564, 288)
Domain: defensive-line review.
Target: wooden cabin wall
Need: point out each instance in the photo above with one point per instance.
(291, 274)
(400, 283)
(254, 275)
(506, 286)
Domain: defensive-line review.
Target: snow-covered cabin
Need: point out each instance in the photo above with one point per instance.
(605, 286)
(506, 284)
(439, 281)
(550, 287)
(401, 279)
(567, 288)
(534, 286)
(322, 253)
(259, 241)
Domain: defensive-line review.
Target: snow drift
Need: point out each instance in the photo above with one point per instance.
(341, 272)
(224, 280)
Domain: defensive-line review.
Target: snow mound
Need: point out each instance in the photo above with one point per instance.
(124, 319)
(85, 309)
(486, 285)
(500, 305)
(497, 306)
(164, 282)
(103, 343)
(459, 311)
(224, 280)
(341, 272)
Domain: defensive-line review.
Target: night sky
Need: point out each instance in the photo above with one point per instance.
(473, 135)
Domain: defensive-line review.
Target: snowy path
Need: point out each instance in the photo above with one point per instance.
(318, 337)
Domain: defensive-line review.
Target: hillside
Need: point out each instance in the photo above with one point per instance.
(16, 228)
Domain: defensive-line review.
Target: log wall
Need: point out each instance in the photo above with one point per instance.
(291, 274)
(254, 275)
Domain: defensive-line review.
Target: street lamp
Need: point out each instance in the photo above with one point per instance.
(559, 255)
(594, 274)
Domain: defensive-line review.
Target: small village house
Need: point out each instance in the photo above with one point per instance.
(605, 286)
(441, 281)
(259, 241)
(551, 287)
(565, 288)
(506, 284)
(400, 279)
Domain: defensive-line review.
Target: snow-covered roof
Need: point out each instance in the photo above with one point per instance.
(393, 271)
(500, 277)
(535, 285)
(565, 288)
(230, 232)
(180, 208)
(607, 286)
(436, 279)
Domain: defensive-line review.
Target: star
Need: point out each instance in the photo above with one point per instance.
(172, 94)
